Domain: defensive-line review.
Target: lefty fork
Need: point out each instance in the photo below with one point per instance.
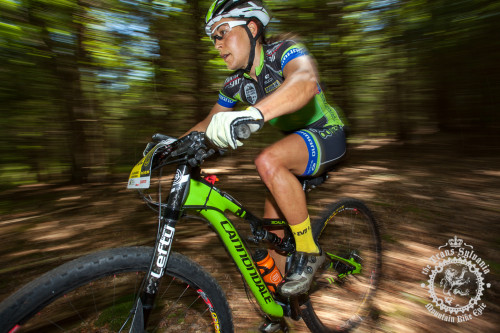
(168, 221)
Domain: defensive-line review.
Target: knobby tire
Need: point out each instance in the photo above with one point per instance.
(189, 298)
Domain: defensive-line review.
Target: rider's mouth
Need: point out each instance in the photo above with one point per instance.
(224, 56)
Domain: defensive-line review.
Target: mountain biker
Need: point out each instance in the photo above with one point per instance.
(280, 83)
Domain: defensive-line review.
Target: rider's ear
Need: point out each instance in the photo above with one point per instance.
(252, 25)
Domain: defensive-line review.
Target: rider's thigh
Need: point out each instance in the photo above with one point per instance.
(290, 153)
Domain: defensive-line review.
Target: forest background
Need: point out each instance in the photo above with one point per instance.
(84, 83)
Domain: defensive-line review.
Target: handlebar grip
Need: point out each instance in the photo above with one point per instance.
(243, 131)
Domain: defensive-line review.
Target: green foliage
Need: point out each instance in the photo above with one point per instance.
(85, 83)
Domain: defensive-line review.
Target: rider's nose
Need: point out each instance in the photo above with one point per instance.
(218, 44)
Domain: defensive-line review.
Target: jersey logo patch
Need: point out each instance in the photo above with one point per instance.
(251, 93)
(273, 50)
(268, 79)
(272, 87)
(232, 81)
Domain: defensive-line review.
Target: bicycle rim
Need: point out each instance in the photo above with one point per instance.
(341, 294)
(102, 302)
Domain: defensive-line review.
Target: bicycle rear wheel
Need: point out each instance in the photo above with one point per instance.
(341, 294)
(96, 293)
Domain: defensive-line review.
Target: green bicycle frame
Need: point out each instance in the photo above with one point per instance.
(211, 203)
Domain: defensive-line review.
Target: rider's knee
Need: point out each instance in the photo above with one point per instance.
(266, 164)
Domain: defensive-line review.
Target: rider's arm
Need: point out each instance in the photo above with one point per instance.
(298, 88)
(202, 125)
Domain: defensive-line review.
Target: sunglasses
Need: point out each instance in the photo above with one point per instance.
(222, 29)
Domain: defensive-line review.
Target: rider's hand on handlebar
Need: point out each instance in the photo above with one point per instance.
(222, 128)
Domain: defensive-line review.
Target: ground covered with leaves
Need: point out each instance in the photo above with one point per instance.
(423, 194)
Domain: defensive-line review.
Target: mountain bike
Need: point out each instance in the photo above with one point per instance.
(140, 289)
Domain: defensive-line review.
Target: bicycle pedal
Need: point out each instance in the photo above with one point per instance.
(342, 268)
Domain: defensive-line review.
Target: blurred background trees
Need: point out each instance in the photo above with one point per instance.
(84, 83)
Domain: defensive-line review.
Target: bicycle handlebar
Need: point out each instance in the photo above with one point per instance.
(193, 147)
(242, 131)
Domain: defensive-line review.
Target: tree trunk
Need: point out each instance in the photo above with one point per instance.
(75, 110)
(198, 54)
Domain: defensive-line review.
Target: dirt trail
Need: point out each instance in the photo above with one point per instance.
(422, 194)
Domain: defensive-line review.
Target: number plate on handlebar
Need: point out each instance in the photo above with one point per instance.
(140, 176)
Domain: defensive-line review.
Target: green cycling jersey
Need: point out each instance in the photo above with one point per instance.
(274, 57)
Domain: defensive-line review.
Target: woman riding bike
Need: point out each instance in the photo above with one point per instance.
(280, 83)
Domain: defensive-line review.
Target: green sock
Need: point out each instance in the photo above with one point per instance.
(304, 241)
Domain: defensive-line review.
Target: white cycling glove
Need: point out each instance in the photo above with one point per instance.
(222, 128)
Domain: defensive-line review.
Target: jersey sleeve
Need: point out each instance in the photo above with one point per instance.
(226, 101)
(229, 92)
(290, 50)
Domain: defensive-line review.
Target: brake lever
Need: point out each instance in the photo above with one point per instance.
(161, 137)
(148, 148)
(184, 144)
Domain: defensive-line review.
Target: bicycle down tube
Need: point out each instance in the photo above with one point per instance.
(209, 202)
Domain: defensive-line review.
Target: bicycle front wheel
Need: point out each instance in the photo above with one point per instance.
(96, 293)
(341, 294)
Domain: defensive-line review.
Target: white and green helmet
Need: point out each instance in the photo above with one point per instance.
(235, 8)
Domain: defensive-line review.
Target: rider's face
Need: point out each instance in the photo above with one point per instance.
(234, 47)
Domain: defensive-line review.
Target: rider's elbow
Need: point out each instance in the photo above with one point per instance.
(310, 84)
